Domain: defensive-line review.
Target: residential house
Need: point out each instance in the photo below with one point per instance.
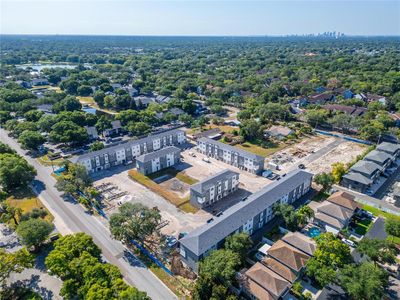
(351, 110)
(214, 134)
(330, 216)
(214, 188)
(283, 264)
(262, 283)
(320, 98)
(231, 155)
(176, 111)
(381, 158)
(92, 132)
(115, 129)
(392, 149)
(39, 81)
(132, 91)
(246, 216)
(143, 101)
(24, 84)
(345, 200)
(162, 99)
(116, 86)
(155, 161)
(362, 176)
(278, 132)
(126, 152)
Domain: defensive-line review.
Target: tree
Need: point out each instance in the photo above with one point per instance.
(239, 243)
(220, 265)
(14, 263)
(139, 128)
(34, 232)
(10, 213)
(74, 178)
(15, 172)
(304, 214)
(46, 122)
(364, 282)
(134, 221)
(99, 97)
(392, 227)
(84, 90)
(316, 117)
(31, 139)
(69, 103)
(288, 213)
(250, 129)
(378, 250)
(96, 146)
(4, 148)
(103, 123)
(338, 170)
(330, 255)
(68, 132)
(324, 179)
(76, 259)
(271, 112)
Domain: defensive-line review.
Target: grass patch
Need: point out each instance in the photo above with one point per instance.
(26, 200)
(363, 226)
(394, 239)
(256, 149)
(380, 213)
(44, 160)
(86, 100)
(182, 203)
(174, 173)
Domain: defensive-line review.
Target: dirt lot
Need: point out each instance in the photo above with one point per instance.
(345, 153)
(317, 153)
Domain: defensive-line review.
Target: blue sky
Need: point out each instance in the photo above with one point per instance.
(189, 17)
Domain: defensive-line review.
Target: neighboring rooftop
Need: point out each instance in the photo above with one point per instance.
(335, 211)
(279, 130)
(345, 200)
(367, 167)
(288, 255)
(204, 185)
(329, 220)
(357, 177)
(378, 156)
(264, 281)
(388, 147)
(280, 269)
(301, 242)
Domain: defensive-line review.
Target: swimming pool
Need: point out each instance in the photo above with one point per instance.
(313, 232)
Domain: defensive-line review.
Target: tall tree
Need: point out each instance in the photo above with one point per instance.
(31, 139)
(34, 232)
(134, 221)
(14, 262)
(364, 282)
(378, 250)
(239, 243)
(15, 172)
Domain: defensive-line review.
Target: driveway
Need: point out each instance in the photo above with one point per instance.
(377, 230)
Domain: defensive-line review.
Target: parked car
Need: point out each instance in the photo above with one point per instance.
(171, 241)
(349, 243)
(273, 176)
(301, 166)
(206, 159)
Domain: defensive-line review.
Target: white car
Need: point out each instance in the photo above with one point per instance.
(349, 243)
(206, 159)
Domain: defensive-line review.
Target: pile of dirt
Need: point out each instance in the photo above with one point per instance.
(177, 267)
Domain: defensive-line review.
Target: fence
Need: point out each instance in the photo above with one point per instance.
(152, 257)
(346, 137)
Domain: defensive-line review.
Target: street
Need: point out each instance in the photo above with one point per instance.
(71, 217)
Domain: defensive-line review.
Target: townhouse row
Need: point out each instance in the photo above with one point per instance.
(127, 152)
(234, 156)
(248, 215)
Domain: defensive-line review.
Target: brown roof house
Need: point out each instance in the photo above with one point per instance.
(345, 200)
(264, 284)
(279, 132)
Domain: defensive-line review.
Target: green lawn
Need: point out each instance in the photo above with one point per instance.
(379, 213)
(363, 226)
(256, 149)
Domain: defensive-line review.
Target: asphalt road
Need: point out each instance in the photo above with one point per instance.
(71, 217)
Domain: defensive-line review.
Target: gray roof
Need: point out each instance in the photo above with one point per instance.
(204, 185)
(201, 239)
(357, 177)
(388, 147)
(367, 167)
(232, 149)
(378, 156)
(159, 153)
(127, 144)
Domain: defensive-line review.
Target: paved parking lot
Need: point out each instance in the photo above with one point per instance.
(200, 170)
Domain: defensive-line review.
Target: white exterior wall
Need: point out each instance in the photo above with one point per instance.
(155, 165)
(120, 155)
(156, 144)
(135, 151)
(181, 138)
(248, 226)
(170, 159)
(87, 164)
